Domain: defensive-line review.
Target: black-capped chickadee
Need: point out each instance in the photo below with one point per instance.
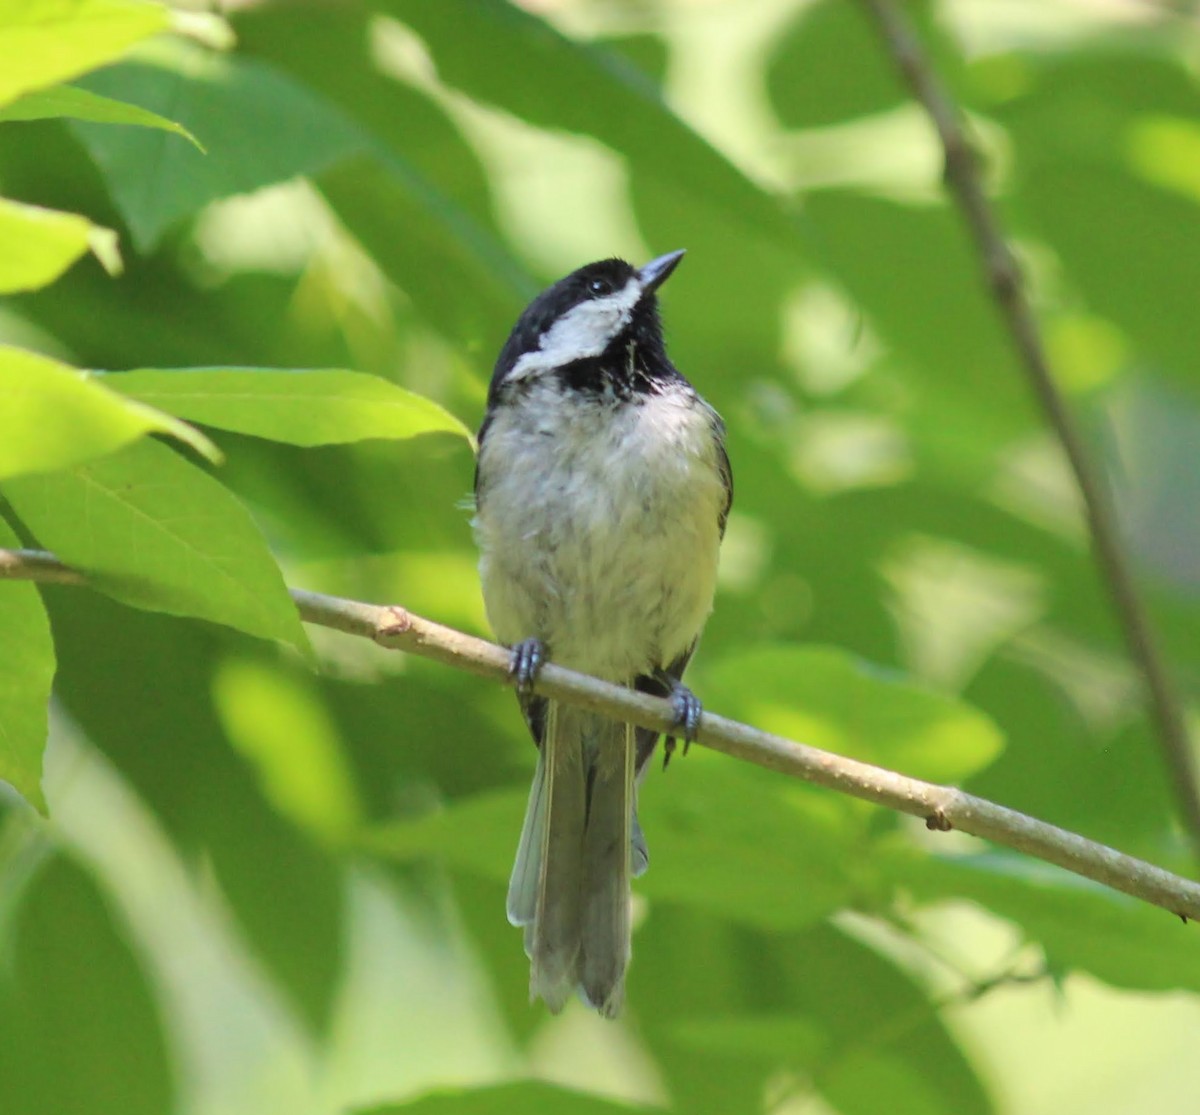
(602, 490)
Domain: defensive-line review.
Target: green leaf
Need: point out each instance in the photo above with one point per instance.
(80, 104)
(47, 41)
(298, 407)
(53, 416)
(155, 531)
(1080, 924)
(40, 244)
(79, 1024)
(528, 1097)
(26, 675)
(259, 128)
(827, 698)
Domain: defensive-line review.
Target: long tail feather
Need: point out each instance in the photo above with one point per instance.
(570, 883)
(607, 850)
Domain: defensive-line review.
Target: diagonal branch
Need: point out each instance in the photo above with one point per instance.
(942, 807)
(1004, 280)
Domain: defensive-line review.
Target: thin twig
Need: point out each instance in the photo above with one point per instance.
(1004, 280)
(942, 807)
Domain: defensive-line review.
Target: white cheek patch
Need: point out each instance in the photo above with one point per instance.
(585, 330)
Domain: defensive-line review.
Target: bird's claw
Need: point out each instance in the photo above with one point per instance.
(528, 657)
(685, 713)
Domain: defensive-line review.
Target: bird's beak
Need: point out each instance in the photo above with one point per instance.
(657, 271)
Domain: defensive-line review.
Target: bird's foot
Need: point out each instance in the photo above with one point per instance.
(685, 713)
(528, 658)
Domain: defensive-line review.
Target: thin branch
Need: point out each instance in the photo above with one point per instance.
(942, 807)
(1004, 280)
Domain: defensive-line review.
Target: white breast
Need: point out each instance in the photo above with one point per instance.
(598, 526)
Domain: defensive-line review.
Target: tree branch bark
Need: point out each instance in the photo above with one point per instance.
(1003, 278)
(942, 807)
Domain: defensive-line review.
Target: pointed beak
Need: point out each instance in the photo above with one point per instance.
(657, 271)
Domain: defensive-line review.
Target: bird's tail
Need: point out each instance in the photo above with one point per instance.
(570, 883)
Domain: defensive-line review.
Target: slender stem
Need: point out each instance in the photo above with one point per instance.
(942, 807)
(1004, 280)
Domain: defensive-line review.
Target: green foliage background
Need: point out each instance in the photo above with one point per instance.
(256, 869)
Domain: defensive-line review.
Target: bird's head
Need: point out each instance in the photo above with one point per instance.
(600, 307)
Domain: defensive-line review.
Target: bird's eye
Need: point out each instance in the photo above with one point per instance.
(599, 286)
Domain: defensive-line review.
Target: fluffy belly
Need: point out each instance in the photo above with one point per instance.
(604, 546)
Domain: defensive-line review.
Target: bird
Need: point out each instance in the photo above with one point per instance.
(602, 490)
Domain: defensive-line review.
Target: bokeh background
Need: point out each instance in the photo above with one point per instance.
(267, 887)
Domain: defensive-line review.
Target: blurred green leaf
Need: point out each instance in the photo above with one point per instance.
(79, 1023)
(40, 244)
(500, 54)
(257, 125)
(56, 417)
(1112, 232)
(914, 273)
(811, 75)
(80, 104)
(147, 704)
(336, 52)
(779, 1039)
(528, 1097)
(827, 698)
(157, 532)
(462, 282)
(1105, 171)
(299, 407)
(1119, 791)
(283, 729)
(879, 1019)
(26, 674)
(821, 1001)
(1081, 925)
(474, 834)
(46, 41)
(707, 820)
(421, 204)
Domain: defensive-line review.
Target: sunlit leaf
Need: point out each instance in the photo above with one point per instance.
(52, 416)
(825, 697)
(155, 531)
(285, 732)
(80, 104)
(26, 673)
(40, 244)
(300, 407)
(47, 41)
